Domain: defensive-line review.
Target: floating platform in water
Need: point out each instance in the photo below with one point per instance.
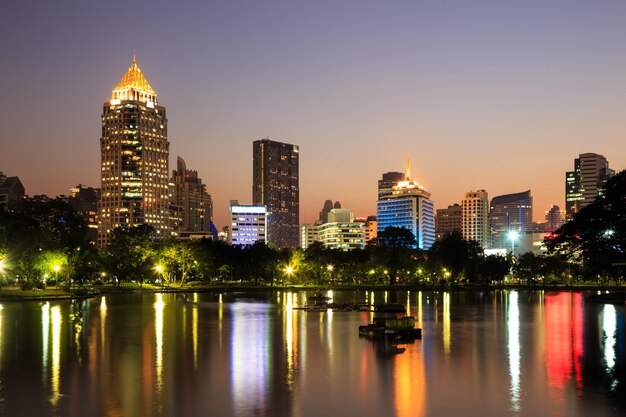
(390, 320)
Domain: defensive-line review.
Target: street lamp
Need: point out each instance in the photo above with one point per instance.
(159, 269)
(330, 269)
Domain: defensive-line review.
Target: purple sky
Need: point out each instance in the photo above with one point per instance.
(500, 95)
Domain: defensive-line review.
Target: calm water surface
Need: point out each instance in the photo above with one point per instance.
(254, 354)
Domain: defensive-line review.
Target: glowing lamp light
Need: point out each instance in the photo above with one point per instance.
(289, 270)
(56, 268)
(330, 268)
(159, 268)
(513, 234)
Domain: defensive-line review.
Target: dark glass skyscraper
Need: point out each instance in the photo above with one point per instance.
(275, 184)
(586, 181)
(134, 159)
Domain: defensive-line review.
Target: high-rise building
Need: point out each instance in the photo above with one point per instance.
(275, 178)
(586, 181)
(475, 218)
(191, 200)
(511, 221)
(308, 234)
(134, 159)
(448, 220)
(388, 181)
(409, 206)
(341, 231)
(84, 200)
(247, 224)
(554, 218)
(11, 190)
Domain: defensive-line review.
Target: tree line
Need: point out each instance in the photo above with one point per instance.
(42, 241)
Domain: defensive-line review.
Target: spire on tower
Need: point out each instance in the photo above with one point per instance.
(408, 168)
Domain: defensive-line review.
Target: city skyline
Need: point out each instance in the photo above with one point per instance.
(471, 92)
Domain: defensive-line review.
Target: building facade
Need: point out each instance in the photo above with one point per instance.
(511, 221)
(586, 181)
(388, 181)
(194, 206)
(408, 206)
(275, 179)
(448, 220)
(248, 224)
(84, 200)
(134, 159)
(341, 231)
(11, 190)
(475, 217)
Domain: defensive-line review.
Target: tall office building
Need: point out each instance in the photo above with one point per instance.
(134, 159)
(275, 178)
(409, 206)
(448, 220)
(388, 181)
(475, 217)
(84, 200)
(554, 218)
(191, 200)
(586, 181)
(512, 213)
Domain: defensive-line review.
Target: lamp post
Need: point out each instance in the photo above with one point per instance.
(330, 269)
(159, 269)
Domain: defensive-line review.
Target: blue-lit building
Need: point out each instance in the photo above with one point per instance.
(248, 224)
(408, 206)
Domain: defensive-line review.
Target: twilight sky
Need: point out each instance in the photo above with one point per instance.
(497, 95)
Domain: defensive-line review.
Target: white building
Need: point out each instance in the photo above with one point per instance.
(248, 224)
(475, 217)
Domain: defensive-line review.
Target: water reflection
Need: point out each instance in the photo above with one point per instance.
(514, 349)
(55, 314)
(148, 355)
(250, 347)
(609, 328)
(159, 306)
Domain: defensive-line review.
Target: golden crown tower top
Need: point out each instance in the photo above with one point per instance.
(134, 86)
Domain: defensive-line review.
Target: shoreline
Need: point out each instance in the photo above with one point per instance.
(604, 293)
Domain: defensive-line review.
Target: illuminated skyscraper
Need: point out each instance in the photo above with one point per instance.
(247, 224)
(134, 159)
(275, 184)
(586, 181)
(512, 213)
(475, 218)
(191, 200)
(448, 220)
(409, 206)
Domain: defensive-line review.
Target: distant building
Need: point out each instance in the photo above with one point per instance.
(84, 200)
(275, 178)
(408, 206)
(328, 206)
(370, 228)
(511, 221)
(341, 231)
(11, 190)
(248, 224)
(448, 220)
(554, 218)
(191, 201)
(134, 154)
(308, 234)
(475, 218)
(586, 181)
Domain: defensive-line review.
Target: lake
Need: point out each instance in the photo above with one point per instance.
(500, 353)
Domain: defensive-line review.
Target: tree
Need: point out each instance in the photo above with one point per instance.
(456, 255)
(393, 248)
(596, 235)
(130, 255)
(493, 268)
